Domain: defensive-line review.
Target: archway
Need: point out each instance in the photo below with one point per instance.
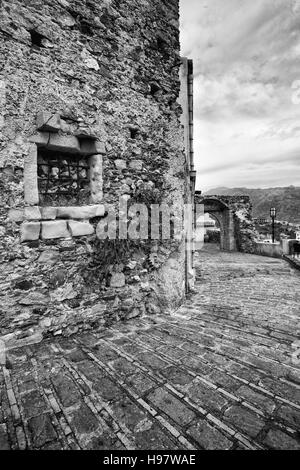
(234, 216)
(222, 213)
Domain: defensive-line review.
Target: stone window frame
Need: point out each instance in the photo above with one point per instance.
(50, 222)
(31, 191)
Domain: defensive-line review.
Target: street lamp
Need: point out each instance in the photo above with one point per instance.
(273, 215)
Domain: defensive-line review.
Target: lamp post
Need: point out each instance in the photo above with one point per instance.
(273, 215)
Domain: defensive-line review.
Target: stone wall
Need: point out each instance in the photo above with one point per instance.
(99, 80)
(273, 250)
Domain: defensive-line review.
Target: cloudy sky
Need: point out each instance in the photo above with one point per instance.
(246, 62)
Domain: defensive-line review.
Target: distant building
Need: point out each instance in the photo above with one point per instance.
(260, 220)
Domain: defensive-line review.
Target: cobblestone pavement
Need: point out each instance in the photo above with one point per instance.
(221, 373)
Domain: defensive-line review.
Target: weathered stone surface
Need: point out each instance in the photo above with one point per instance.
(91, 147)
(16, 215)
(206, 397)
(257, 399)
(4, 443)
(48, 257)
(136, 165)
(140, 382)
(33, 403)
(244, 420)
(35, 298)
(32, 213)
(129, 414)
(54, 229)
(96, 178)
(78, 229)
(105, 110)
(120, 164)
(209, 437)
(63, 143)
(46, 121)
(48, 213)
(66, 390)
(289, 415)
(41, 430)
(31, 195)
(171, 351)
(83, 420)
(81, 212)
(40, 138)
(65, 292)
(278, 440)
(171, 406)
(30, 231)
(56, 142)
(117, 280)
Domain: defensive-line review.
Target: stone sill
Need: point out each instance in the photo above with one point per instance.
(55, 229)
(36, 213)
(48, 223)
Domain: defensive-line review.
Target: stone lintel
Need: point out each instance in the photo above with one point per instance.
(56, 142)
(92, 147)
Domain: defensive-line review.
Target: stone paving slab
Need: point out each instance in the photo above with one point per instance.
(220, 373)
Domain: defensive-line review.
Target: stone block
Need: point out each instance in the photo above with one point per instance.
(79, 229)
(41, 430)
(48, 213)
(48, 257)
(171, 406)
(30, 231)
(46, 121)
(54, 229)
(85, 133)
(16, 215)
(40, 138)
(64, 143)
(33, 213)
(96, 178)
(120, 164)
(209, 437)
(31, 193)
(81, 212)
(136, 165)
(92, 147)
(117, 280)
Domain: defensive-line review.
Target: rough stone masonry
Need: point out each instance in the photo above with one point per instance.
(89, 113)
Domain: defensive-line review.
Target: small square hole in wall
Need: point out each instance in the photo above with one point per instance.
(63, 178)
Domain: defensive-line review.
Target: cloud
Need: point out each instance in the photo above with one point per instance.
(246, 55)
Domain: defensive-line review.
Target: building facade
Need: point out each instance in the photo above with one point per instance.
(91, 124)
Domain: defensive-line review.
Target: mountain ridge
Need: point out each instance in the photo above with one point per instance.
(285, 199)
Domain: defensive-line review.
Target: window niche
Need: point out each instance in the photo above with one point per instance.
(62, 169)
(63, 178)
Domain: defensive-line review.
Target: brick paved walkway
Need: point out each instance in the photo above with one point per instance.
(219, 374)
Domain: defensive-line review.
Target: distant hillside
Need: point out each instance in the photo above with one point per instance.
(286, 200)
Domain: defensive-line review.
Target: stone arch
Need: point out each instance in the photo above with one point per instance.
(234, 216)
(221, 211)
